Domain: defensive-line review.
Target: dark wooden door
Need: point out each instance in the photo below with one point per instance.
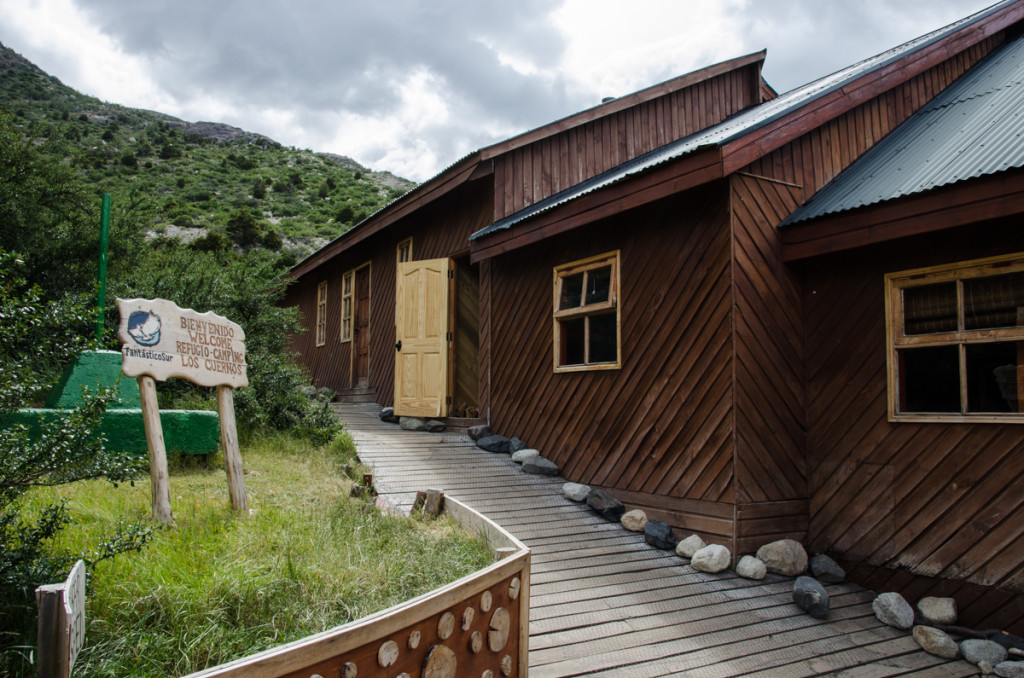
(361, 329)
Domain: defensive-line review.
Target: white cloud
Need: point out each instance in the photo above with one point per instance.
(64, 42)
(410, 86)
(614, 50)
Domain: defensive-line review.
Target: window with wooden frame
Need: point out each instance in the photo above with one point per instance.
(403, 252)
(321, 313)
(956, 342)
(586, 314)
(346, 306)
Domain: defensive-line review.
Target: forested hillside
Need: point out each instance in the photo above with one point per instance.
(207, 183)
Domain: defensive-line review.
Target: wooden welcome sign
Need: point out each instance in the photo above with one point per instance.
(161, 340)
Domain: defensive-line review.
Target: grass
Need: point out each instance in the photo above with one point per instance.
(219, 586)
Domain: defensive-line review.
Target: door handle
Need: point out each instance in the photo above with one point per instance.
(398, 346)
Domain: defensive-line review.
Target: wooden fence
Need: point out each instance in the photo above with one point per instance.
(476, 626)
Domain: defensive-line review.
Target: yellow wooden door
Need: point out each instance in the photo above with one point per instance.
(422, 294)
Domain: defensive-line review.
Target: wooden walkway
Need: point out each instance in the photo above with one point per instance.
(603, 603)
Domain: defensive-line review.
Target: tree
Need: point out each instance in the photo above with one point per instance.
(51, 220)
(245, 229)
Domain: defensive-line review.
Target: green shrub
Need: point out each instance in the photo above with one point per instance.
(62, 452)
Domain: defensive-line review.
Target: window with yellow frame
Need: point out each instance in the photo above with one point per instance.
(403, 252)
(956, 341)
(586, 314)
(321, 313)
(346, 306)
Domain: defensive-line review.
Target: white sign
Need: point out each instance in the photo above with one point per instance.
(162, 340)
(74, 610)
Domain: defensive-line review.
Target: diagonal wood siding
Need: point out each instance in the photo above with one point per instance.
(937, 499)
(816, 158)
(658, 431)
(773, 461)
(771, 476)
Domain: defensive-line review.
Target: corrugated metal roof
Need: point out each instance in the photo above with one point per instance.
(736, 126)
(972, 129)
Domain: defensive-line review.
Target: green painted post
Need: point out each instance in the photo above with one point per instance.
(102, 275)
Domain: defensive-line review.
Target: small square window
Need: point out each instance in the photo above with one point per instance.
(586, 314)
(403, 252)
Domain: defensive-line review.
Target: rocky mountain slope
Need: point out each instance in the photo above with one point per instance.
(205, 181)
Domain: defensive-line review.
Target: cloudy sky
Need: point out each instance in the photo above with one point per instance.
(411, 86)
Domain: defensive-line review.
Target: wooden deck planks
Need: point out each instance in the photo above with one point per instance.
(604, 603)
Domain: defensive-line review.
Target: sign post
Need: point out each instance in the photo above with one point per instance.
(162, 340)
(61, 626)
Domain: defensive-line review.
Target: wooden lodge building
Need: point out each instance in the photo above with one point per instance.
(752, 315)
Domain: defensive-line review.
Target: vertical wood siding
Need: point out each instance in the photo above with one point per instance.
(936, 499)
(659, 430)
(529, 174)
(322, 362)
(440, 230)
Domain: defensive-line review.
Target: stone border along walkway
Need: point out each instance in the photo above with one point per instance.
(604, 603)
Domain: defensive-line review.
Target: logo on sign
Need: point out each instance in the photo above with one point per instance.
(144, 328)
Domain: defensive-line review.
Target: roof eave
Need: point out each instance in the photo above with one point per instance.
(990, 197)
(462, 171)
(694, 169)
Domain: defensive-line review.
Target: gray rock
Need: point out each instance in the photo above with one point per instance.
(634, 520)
(936, 642)
(750, 567)
(1010, 669)
(892, 609)
(540, 466)
(515, 444)
(827, 570)
(713, 558)
(325, 394)
(435, 426)
(811, 597)
(308, 390)
(494, 443)
(388, 415)
(520, 456)
(575, 491)
(977, 650)
(658, 533)
(478, 432)
(937, 610)
(785, 556)
(412, 424)
(605, 505)
(687, 547)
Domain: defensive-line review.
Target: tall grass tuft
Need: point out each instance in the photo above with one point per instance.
(221, 586)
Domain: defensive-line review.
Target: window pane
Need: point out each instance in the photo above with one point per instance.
(603, 344)
(930, 308)
(599, 285)
(995, 301)
(993, 377)
(572, 335)
(572, 292)
(930, 379)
